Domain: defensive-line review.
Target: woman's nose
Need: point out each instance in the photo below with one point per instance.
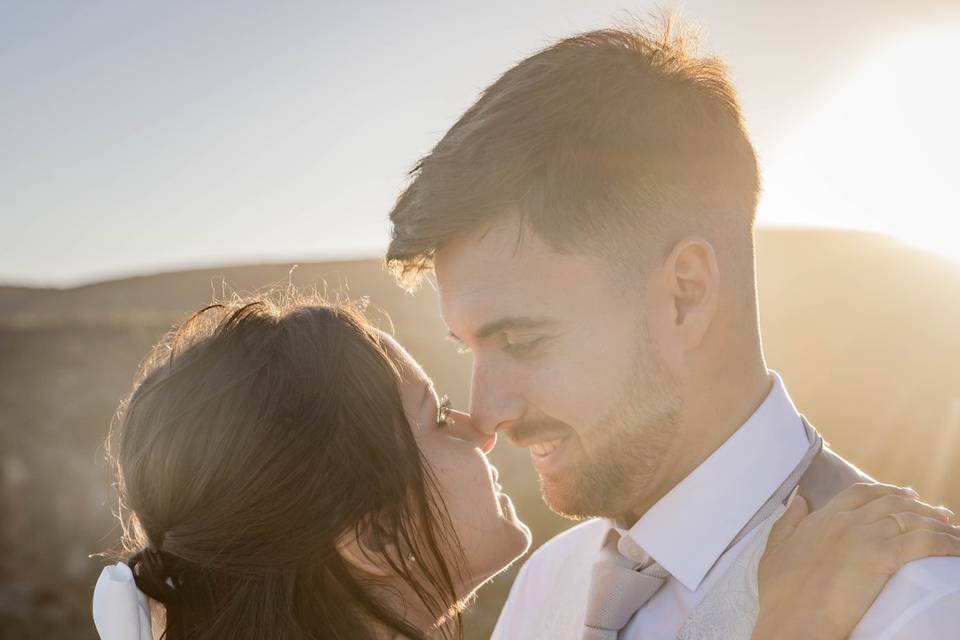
(460, 426)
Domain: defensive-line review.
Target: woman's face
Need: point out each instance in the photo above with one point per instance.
(482, 515)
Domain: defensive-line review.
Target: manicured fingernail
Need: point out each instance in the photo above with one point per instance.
(910, 491)
(945, 511)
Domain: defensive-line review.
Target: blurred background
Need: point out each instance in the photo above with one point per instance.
(153, 156)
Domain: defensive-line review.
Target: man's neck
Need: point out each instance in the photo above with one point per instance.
(705, 425)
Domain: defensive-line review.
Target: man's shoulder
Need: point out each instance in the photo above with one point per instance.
(933, 574)
(923, 596)
(922, 600)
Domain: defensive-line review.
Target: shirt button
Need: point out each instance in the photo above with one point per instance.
(631, 550)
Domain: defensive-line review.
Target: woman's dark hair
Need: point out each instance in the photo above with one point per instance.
(257, 435)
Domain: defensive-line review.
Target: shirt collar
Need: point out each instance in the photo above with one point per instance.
(690, 527)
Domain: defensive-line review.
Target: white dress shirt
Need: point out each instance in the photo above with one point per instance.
(688, 532)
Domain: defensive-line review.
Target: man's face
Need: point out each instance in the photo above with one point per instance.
(563, 365)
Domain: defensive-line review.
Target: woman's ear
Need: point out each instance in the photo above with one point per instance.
(367, 552)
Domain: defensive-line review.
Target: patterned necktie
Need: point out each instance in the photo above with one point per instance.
(619, 587)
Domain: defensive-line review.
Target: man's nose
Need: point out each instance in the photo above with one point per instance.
(461, 426)
(494, 400)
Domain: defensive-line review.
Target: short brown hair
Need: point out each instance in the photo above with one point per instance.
(592, 140)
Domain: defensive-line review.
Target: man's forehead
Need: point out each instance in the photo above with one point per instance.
(496, 250)
(502, 272)
(490, 265)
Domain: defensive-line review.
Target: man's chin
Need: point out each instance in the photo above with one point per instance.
(564, 500)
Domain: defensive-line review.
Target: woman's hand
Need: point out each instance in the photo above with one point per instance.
(821, 571)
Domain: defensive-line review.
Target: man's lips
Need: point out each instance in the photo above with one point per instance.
(526, 437)
(546, 447)
(545, 442)
(551, 457)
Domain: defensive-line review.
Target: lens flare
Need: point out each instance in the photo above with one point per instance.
(881, 152)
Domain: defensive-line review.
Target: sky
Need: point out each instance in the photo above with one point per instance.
(137, 137)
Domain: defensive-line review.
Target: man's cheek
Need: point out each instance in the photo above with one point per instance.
(563, 405)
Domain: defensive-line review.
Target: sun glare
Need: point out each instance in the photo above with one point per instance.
(882, 152)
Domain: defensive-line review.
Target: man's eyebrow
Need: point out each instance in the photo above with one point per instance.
(507, 324)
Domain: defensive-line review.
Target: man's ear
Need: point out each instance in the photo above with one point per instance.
(366, 552)
(693, 280)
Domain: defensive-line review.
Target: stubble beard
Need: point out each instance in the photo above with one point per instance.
(627, 448)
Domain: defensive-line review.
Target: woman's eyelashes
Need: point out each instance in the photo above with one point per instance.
(444, 417)
(460, 344)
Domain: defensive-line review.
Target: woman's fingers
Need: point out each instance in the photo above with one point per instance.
(896, 503)
(797, 509)
(895, 524)
(857, 495)
(922, 543)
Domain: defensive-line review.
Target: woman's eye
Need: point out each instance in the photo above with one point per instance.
(444, 419)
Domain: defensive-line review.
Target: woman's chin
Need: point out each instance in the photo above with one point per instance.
(512, 544)
(518, 530)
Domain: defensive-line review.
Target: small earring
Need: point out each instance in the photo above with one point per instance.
(411, 558)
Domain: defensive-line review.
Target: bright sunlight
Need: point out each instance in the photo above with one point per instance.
(881, 152)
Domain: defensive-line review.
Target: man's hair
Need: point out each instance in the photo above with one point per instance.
(598, 142)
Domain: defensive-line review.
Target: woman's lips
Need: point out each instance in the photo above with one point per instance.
(495, 474)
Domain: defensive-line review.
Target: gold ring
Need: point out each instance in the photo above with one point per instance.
(896, 518)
